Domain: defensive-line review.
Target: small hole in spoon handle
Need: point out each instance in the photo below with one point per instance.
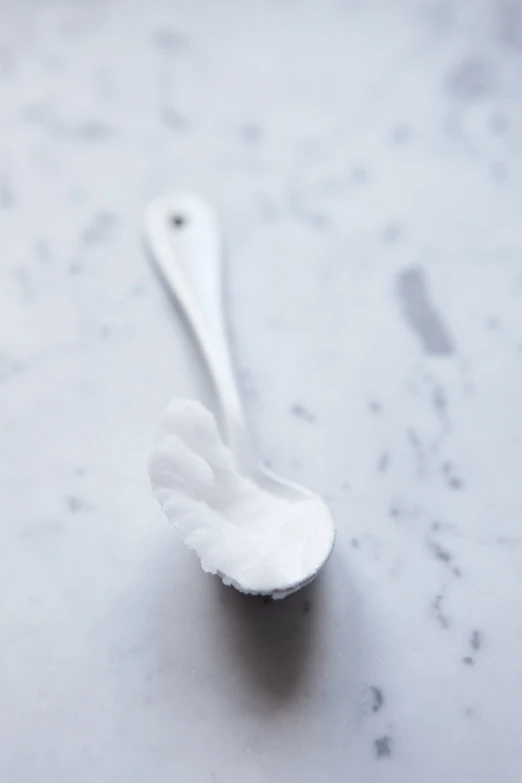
(178, 221)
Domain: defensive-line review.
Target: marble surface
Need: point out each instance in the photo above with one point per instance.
(365, 158)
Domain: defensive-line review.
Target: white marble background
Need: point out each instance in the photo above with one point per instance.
(365, 158)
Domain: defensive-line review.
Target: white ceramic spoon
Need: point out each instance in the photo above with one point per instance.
(183, 236)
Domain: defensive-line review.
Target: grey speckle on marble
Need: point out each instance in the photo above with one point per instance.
(365, 162)
(383, 747)
(420, 313)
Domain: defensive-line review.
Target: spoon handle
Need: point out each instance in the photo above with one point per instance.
(183, 235)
